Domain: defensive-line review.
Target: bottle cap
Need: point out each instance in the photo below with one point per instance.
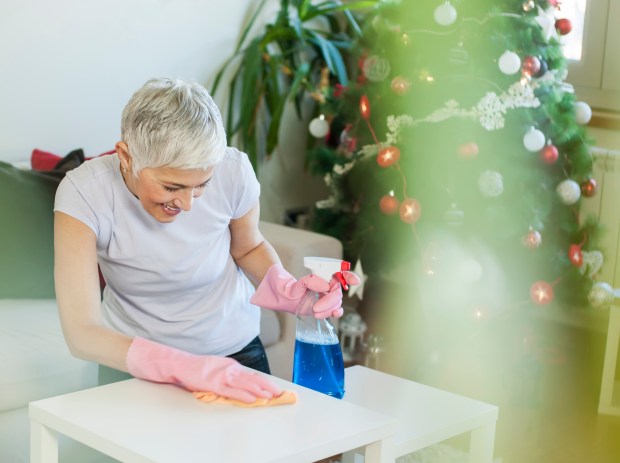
(326, 267)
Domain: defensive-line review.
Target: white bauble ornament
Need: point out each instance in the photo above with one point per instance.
(583, 112)
(319, 127)
(569, 192)
(601, 295)
(509, 63)
(445, 14)
(534, 140)
(491, 183)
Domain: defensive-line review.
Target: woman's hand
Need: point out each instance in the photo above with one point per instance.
(197, 373)
(279, 290)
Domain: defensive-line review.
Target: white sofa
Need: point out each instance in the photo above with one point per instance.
(35, 362)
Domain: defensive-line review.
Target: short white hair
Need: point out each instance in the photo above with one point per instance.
(173, 123)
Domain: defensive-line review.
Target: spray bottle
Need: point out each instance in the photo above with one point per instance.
(318, 362)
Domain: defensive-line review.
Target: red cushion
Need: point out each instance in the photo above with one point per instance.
(42, 160)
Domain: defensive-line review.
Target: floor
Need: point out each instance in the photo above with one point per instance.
(543, 373)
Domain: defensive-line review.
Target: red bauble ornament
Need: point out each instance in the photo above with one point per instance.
(530, 66)
(389, 204)
(410, 210)
(365, 107)
(400, 85)
(468, 150)
(575, 255)
(388, 156)
(541, 292)
(532, 239)
(549, 154)
(563, 26)
(588, 188)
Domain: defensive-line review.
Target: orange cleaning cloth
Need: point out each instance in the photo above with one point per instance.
(287, 397)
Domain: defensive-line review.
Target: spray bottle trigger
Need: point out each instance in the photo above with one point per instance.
(344, 266)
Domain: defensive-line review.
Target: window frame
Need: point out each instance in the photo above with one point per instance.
(596, 77)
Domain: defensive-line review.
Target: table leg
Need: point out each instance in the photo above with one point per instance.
(43, 444)
(481, 444)
(352, 456)
(378, 452)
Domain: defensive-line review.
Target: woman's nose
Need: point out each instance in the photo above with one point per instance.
(185, 199)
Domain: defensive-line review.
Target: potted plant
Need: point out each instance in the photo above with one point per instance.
(285, 62)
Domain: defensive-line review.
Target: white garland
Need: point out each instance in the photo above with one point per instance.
(490, 111)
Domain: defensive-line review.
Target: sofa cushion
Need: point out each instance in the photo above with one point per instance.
(44, 160)
(36, 362)
(27, 201)
(269, 327)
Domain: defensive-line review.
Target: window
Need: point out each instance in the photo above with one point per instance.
(592, 48)
(575, 11)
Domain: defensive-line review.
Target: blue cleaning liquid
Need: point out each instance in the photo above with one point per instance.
(319, 367)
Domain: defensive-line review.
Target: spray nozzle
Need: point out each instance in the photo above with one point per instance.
(328, 268)
(344, 266)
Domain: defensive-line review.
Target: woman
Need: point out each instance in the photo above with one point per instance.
(172, 221)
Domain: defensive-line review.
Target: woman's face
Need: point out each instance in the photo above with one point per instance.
(165, 192)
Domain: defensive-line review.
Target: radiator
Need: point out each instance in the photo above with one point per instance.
(605, 205)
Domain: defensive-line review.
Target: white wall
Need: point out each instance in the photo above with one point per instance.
(67, 67)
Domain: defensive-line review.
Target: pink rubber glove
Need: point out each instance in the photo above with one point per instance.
(279, 290)
(205, 373)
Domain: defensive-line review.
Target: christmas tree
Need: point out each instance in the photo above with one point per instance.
(457, 158)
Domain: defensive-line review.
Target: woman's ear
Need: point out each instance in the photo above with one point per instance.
(123, 154)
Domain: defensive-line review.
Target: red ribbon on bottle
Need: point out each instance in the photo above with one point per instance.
(344, 266)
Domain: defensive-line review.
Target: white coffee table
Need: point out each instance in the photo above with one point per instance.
(425, 415)
(138, 421)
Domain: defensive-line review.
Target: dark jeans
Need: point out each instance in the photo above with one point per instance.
(252, 356)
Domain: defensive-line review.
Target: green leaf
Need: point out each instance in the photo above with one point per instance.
(300, 74)
(333, 58)
(276, 35)
(252, 82)
(237, 51)
(274, 126)
(354, 25)
(303, 7)
(248, 27)
(332, 7)
(232, 88)
(220, 74)
(295, 93)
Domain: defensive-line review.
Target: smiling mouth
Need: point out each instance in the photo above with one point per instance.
(174, 210)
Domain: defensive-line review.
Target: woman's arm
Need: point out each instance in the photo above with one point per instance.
(248, 247)
(79, 297)
(278, 289)
(77, 293)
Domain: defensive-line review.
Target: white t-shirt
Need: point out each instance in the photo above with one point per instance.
(174, 283)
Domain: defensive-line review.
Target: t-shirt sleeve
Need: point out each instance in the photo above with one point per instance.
(248, 188)
(70, 201)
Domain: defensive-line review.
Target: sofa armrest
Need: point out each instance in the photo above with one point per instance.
(292, 245)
